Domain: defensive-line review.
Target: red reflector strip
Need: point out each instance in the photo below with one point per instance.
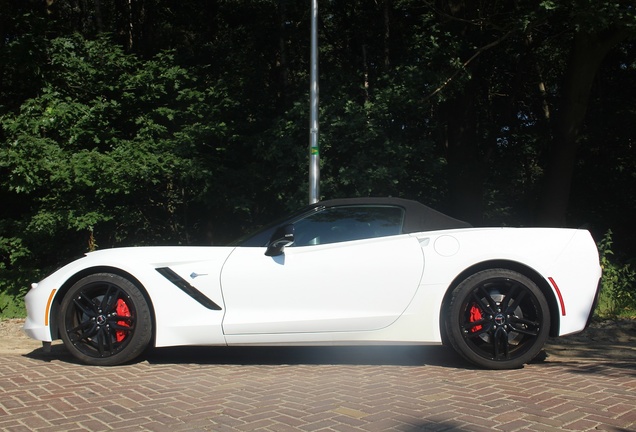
(556, 288)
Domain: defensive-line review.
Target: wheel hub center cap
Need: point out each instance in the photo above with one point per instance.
(101, 320)
(500, 319)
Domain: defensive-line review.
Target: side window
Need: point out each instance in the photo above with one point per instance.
(339, 224)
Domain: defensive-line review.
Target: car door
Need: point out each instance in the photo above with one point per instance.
(349, 270)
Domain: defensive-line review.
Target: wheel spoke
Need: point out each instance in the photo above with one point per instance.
(527, 327)
(484, 331)
(103, 343)
(108, 341)
(122, 324)
(110, 299)
(490, 305)
(85, 306)
(518, 298)
(495, 344)
(475, 327)
(100, 341)
(510, 295)
(500, 337)
(84, 331)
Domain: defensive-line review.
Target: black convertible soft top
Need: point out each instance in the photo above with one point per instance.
(418, 216)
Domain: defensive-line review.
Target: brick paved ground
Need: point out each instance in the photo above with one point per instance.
(312, 389)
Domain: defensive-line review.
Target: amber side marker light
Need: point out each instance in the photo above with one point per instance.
(48, 307)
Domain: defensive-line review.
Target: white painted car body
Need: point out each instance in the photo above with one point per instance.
(382, 290)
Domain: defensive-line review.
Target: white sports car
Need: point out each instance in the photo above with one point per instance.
(348, 272)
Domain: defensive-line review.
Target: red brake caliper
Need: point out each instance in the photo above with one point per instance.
(122, 310)
(475, 315)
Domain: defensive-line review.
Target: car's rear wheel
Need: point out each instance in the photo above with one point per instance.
(105, 320)
(497, 319)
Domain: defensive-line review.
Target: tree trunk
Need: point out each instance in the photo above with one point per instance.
(587, 54)
(465, 167)
(282, 60)
(387, 33)
(99, 23)
(460, 114)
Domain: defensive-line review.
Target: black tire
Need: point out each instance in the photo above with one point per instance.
(497, 319)
(105, 320)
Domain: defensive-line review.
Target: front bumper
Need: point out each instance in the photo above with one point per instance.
(38, 303)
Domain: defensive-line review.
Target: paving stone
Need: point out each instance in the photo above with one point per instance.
(296, 392)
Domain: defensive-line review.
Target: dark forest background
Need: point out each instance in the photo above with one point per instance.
(130, 122)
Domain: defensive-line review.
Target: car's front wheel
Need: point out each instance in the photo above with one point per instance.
(105, 320)
(497, 319)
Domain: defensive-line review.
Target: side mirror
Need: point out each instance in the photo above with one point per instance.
(283, 236)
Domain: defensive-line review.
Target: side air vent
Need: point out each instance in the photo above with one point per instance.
(183, 284)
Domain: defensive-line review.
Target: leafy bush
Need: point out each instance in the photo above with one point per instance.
(13, 282)
(618, 289)
(103, 152)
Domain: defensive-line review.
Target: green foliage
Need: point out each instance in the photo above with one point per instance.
(105, 126)
(105, 152)
(138, 123)
(13, 282)
(618, 291)
(12, 305)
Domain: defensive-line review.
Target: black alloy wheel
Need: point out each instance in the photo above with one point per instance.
(105, 320)
(498, 319)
